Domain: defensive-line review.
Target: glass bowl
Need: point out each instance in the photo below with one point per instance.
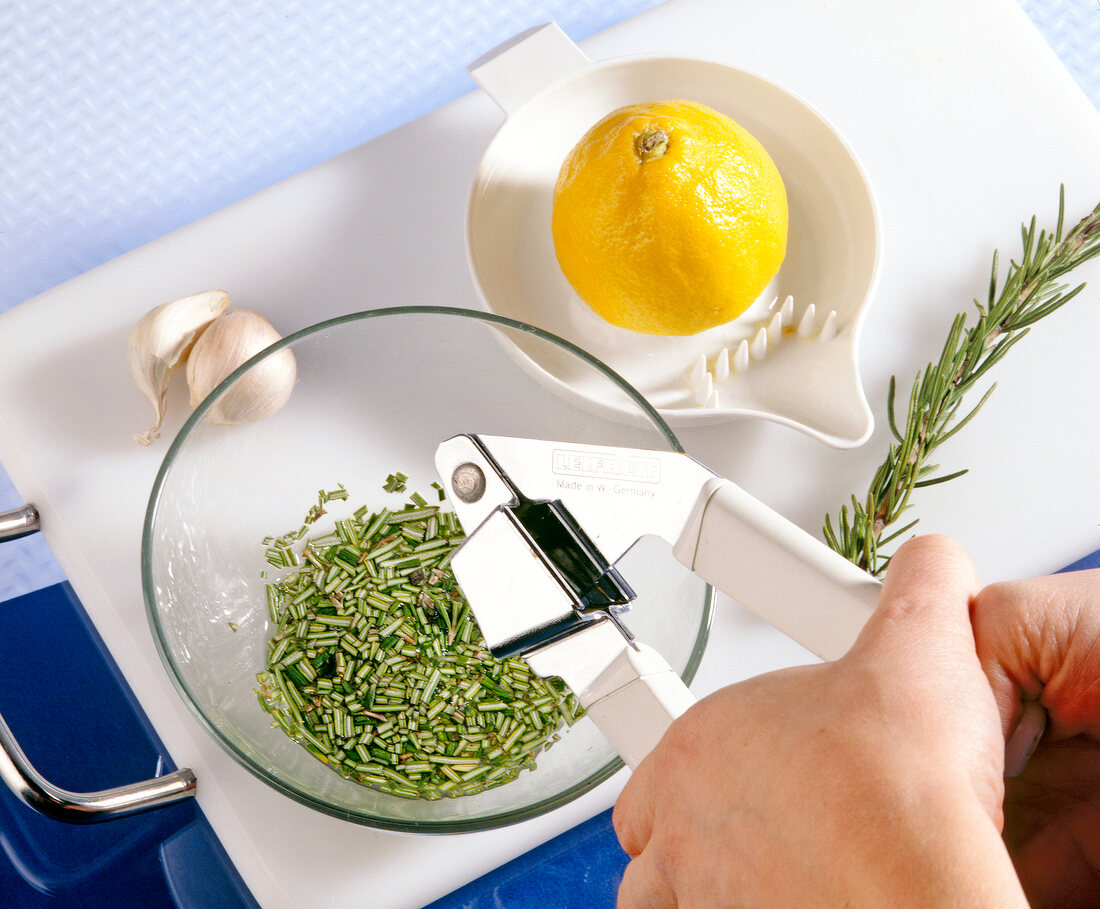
(376, 392)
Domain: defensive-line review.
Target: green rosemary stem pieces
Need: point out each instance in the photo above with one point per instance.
(376, 665)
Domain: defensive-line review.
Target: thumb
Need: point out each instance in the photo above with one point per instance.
(920, 638)
(924, 608)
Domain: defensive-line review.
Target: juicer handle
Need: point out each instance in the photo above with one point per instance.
(634, 701)
(521, 67)
(778, 571)
(61, 804)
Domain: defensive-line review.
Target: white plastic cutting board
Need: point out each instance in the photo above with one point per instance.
(966, 124)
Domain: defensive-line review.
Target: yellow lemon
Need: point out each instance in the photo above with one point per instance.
(669, 218)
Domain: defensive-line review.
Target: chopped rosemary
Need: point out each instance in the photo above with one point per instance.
(395, 482)
(376, 666)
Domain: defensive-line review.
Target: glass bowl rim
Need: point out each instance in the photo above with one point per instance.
(454, 825)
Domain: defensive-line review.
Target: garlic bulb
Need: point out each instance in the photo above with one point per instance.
(160, 342)
(222, 347)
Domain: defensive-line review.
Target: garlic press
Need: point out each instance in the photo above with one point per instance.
(546, 523)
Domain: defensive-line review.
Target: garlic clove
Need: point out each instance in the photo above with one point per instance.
(160, 342)
(227, 343)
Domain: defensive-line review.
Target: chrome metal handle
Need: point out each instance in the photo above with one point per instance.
(53, 801)
(86, 807)
(19, 522)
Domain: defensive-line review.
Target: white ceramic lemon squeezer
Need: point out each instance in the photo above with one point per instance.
(792, 357)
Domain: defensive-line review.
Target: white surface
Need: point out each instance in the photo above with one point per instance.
(831, 262)
(966, 124)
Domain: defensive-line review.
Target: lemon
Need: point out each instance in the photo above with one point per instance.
(669, 218)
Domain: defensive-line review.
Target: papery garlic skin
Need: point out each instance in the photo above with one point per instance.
(160, 342)
(228, 342)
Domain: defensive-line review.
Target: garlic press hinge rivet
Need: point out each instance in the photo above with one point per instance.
(468, 482)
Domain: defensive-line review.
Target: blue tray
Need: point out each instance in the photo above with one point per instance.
(78, 723)
(77, 720)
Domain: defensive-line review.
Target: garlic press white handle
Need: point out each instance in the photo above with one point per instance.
(798, 584)
(628, 690)
(635, 700)
(778, 571)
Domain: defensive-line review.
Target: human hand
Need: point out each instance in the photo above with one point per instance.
(875, 780)
(1039, 640)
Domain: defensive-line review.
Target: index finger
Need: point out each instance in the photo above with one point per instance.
(1039, 639)
(632, 816)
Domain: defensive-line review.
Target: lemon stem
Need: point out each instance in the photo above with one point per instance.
(651, 144)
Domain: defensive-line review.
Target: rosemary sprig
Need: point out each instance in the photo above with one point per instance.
(1030, 292)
